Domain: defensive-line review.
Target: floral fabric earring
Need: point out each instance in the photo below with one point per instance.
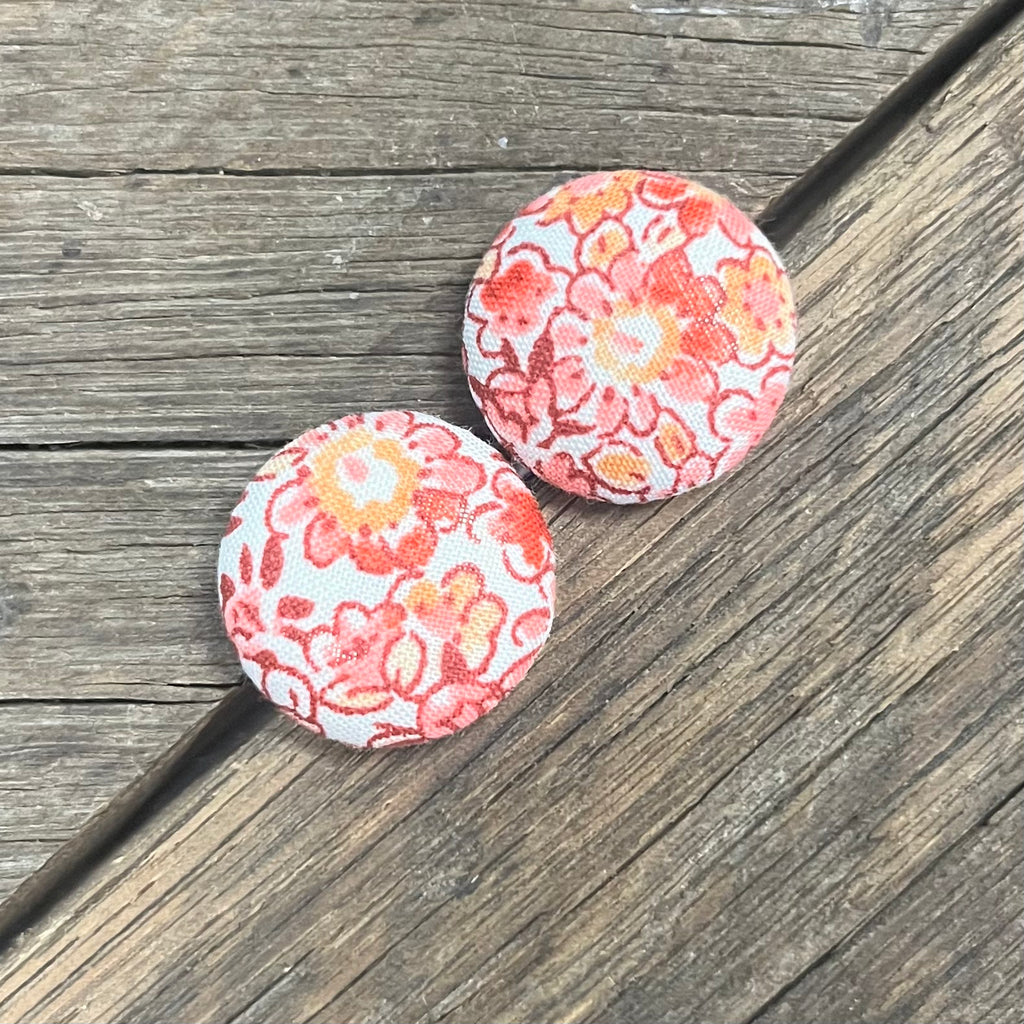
(386, 579)
(629, 335)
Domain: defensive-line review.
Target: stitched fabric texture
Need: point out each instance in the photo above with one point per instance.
(386, 579)
(629, 335)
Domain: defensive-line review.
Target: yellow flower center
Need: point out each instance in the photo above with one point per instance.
(363, 481)
(637, 343)
(623, 469)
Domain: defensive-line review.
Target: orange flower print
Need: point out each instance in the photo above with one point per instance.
(584, 202)
(516, 296)
(621, 467)
(679, 450)
(460, 611)
(670, 301)
(363, 481)
(602, 246)
(633, 339)
(386, 579)
(361, 495)
(758, 307)
(636, 342)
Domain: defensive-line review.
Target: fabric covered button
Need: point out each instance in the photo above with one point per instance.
(629, 335)
(386, 579)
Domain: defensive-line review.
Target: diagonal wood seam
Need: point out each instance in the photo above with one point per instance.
(950, 853)
(684, 813)
(241, 712)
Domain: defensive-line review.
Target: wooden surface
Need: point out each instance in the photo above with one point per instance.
(767, 767)
(226, 224)
(948, 948)
(62, 761)
(232, 309)
(433, 84)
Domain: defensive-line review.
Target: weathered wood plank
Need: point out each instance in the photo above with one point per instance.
(766, 708)
(157, 307)
(435, 84)
(107, 587)
(947, 949)
(227, 309)
(111, 636)
(111, 639)
(63, 761)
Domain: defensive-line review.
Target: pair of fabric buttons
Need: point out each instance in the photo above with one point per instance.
(388, 578)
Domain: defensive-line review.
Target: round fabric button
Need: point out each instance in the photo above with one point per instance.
(386, 579)
(629, 335)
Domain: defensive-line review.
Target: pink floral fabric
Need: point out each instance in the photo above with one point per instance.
(386, 579)
(629, 335)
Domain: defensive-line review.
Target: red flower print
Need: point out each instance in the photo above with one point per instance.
(742, 418)
(531, 627)
(690, 379)
(287, 686)
(516, 296)
(240, 606)
(668, 300)
(458, 701)
(356, 653)
(665, 191)
(514, 304)
(562, 470)
(518, 523)
(695, 301)
(360, 496)
(697, 210)
(388, 577)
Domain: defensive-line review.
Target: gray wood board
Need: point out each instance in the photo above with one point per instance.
(63, 761)
(111, 638)
(107, 563)
(173, 307)
(948, 948)
(766, 709)
(469, 83)
(230, 309)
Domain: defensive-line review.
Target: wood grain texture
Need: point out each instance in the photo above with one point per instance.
(229, 309)
(155, 308)
(947, 949)
(766, 709)
(433, 84)
(63, 761)
(111, 638)
(107, 569)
